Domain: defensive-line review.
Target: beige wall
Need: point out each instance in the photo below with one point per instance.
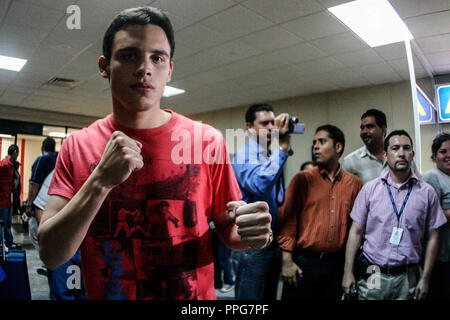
(340, 108)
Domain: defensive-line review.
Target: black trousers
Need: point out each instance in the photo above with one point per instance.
(440, 281)
(322, 278)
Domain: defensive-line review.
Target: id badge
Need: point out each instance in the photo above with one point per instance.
(396, 235)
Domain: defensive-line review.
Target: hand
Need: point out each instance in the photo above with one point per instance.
(348, 282)
(289, 272)
(122, 155)
(421, 290)
(252, 221)
(282, 122)
(28, 211)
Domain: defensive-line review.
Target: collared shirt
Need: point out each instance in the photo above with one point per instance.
(441, 184)
(315, 215)
(363, 164)
(366, 166)
(6, 181)
(260, 176)
(373, 210)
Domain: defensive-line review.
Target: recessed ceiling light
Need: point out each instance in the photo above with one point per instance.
(171, 91)
(10, 63)
(7, 136)
(374, 21)
(57, 134)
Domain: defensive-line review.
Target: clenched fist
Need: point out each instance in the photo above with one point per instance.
(122, 155)
(252, 221)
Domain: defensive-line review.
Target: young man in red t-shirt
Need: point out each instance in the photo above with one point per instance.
(144, 159)
(6, 186)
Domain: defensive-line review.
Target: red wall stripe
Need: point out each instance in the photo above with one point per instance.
(22, 165)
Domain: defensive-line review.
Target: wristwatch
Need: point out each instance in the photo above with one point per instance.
(290, 152)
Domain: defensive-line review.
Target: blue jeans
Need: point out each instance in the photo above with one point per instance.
(6, 216)
(63, 288)
(221, 262)
(258, 273)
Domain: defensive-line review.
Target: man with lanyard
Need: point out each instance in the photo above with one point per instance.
(393, 213)
(260, 176)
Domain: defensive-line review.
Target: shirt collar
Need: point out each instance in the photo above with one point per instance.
(338, 175)
(366, 153)
(386, 177)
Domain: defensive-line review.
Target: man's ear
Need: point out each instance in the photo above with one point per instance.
(170, 71)
(338, 147)
(384, 128)
(385, 156)
(103, 66)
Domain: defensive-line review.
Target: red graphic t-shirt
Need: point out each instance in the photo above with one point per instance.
(150, 238)
(6, 181)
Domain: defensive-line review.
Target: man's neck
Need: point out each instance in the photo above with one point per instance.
(148, 119)
(377, 151)
(331, 169)
(399, 176)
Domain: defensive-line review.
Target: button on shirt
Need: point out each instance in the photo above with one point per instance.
(315, 215)
(260, 175)
(373, 210)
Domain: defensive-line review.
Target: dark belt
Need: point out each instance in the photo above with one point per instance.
(395, 271)
(320, 255)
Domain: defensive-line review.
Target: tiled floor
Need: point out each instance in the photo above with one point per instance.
(38, 283)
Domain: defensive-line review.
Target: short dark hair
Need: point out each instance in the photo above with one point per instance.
(380, 117)
(438, 141)
(48, 145)
(396, 133)
(13, 148)
(335, 134)
(138, 16)
(250, 115)
(306, 163)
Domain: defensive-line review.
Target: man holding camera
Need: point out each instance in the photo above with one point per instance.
(259, 171)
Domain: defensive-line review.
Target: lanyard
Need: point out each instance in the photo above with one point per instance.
(398, 214)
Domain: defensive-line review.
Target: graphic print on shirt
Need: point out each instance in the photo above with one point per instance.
(149, 240)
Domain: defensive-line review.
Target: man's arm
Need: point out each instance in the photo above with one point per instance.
(65, 223)
(430, 256)
(353, 244)
(32, 193)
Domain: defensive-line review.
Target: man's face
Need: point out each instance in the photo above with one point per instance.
(324, 150)
(262, 126)
(371, 134)
(14, 155)
(399, 154)
(139, 68)
(442, 157)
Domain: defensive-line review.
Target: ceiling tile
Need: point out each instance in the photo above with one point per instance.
(200, 37)
(440, 58)
(193, 10)
(359, 58)
(412, 8)
(320, 65)
(284, 10)
(340, 43)
(429, 25)
(444, 69)
(301, 52)
(435, 43)
(236, 22)
(279, 38)
(315, 26)
(32, 16)
(391, 51)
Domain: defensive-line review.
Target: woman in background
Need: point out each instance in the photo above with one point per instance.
(439, 178)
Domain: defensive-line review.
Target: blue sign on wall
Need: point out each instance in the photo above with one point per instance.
(443, 102)
(426, 108)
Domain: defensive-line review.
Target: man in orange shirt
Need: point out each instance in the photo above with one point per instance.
(314, 222)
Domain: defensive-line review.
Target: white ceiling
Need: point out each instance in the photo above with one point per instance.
(228, 52)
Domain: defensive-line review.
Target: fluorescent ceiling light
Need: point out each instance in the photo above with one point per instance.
(8, 136)
(57, 134)
(10, 63)
(171, 91)
(374, 21)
